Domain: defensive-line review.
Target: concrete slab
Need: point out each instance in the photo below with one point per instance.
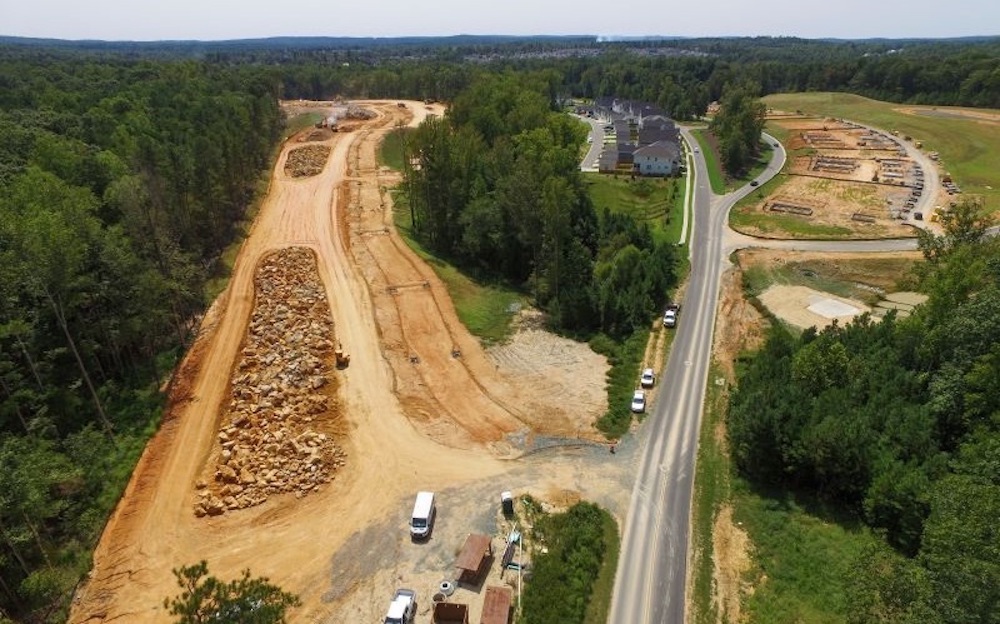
(832, 308)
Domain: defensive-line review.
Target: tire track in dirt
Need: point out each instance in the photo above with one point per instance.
(426, 344)
(392, 453)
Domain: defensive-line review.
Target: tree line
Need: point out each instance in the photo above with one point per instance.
(681, 76)
(121, 181)
(898, 423)
(495, 186)
(738, 126)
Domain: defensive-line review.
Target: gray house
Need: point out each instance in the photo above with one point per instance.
(659, 159)
(608, 160)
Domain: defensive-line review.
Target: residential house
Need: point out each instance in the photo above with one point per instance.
(657, 128)
(626, 152)
(659, 159)
(608, 160)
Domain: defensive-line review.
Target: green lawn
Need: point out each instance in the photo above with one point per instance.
(711, 491)
(722, 183)
(658, 202)
(715, 175)
(599, 604)
(970, 150)
(390, 153)
(782, 134)
(301, 122)
(802, 559)
(786, 225)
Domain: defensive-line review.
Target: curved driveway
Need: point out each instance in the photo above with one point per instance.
(652, 566)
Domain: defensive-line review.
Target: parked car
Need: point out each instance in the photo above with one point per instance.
(648, 379)
(670, 315)
(639, 401)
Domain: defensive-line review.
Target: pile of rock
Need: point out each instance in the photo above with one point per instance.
(355, 111)
(306, 161)
(279, 393)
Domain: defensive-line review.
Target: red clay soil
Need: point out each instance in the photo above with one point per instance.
(420, 400)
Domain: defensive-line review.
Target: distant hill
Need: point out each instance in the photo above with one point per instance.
(301, 42)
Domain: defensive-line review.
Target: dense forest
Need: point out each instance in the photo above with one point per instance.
(682, 76)
(120, 184)
(898, 422)
(125, 169)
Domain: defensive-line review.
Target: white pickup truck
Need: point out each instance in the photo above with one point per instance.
(670, 315)
(403, 608)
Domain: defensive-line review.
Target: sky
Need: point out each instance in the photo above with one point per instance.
(213, 20)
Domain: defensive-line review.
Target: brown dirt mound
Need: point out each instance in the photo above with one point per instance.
(306, 161)
(277, 431)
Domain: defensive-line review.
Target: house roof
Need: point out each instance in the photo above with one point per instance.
(657, 121)
(608, 157)
(654, 134)
(661, 149)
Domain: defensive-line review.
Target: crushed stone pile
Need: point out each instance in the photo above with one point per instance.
(281, 394)
(306, 161)
(359, 112)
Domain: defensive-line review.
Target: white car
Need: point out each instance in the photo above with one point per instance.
(639, 401)
(670, 318)
(648, 378)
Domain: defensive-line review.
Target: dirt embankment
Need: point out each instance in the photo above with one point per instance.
(421, 405)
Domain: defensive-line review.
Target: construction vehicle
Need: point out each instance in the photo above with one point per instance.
(403, 608)
(343, 359)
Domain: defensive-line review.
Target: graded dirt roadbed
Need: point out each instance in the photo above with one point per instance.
(439, 422)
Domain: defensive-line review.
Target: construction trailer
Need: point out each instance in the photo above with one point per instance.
(474, 560)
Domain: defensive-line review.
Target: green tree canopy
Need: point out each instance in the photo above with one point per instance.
(204, 599)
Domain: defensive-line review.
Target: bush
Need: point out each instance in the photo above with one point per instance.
(563, 577)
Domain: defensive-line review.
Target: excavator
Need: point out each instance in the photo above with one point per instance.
(343, 359)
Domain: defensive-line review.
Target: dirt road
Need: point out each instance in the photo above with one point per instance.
(421, 406)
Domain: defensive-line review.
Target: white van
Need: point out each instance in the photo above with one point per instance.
(422, 520)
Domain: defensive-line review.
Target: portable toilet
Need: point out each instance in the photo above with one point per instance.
(507, 503)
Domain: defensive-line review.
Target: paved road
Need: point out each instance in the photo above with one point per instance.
(596, 142)
(652, 568)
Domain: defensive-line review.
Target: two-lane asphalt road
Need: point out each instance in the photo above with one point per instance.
(652, 568)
